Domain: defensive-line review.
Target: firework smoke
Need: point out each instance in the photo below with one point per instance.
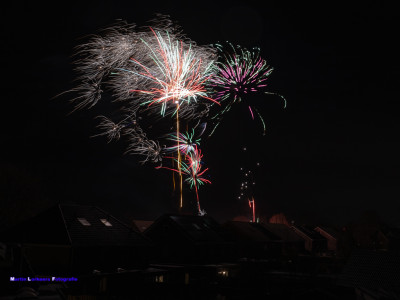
(161, 81)
(150, 72)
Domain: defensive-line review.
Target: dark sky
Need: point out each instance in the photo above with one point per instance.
(330, 155)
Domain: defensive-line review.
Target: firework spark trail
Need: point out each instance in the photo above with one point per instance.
(251, 112)
(240, 72)
(185, 145)
(248, 181)
(176, 76)
(146, 71)
(186, 142)
(140, 144)
(111, 130)
(262, 120)
(172, 72)
(179, 156)
(192, 169)
(155, 74)
(182, 80)
(252, 205)
(151, 73)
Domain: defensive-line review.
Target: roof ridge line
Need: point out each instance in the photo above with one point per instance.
(65, 223)
(116, 219)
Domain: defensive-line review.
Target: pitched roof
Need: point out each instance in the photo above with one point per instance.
(198, 229)
(306, 232)
(327, 231)
(104, 229)
(284, 232)
(250, 232)
(142, 225)
(75, 225)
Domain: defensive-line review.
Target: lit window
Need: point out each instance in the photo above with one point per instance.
(105, 222)
(84, 222)
(159, 278)
(223, 273)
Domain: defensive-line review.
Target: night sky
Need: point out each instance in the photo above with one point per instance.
(330, 155)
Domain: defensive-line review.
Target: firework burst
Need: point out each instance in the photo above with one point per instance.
(239, 72)
(148, 73)
(191, 168)
(178, 77)
(160, 80)
(186, 142)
